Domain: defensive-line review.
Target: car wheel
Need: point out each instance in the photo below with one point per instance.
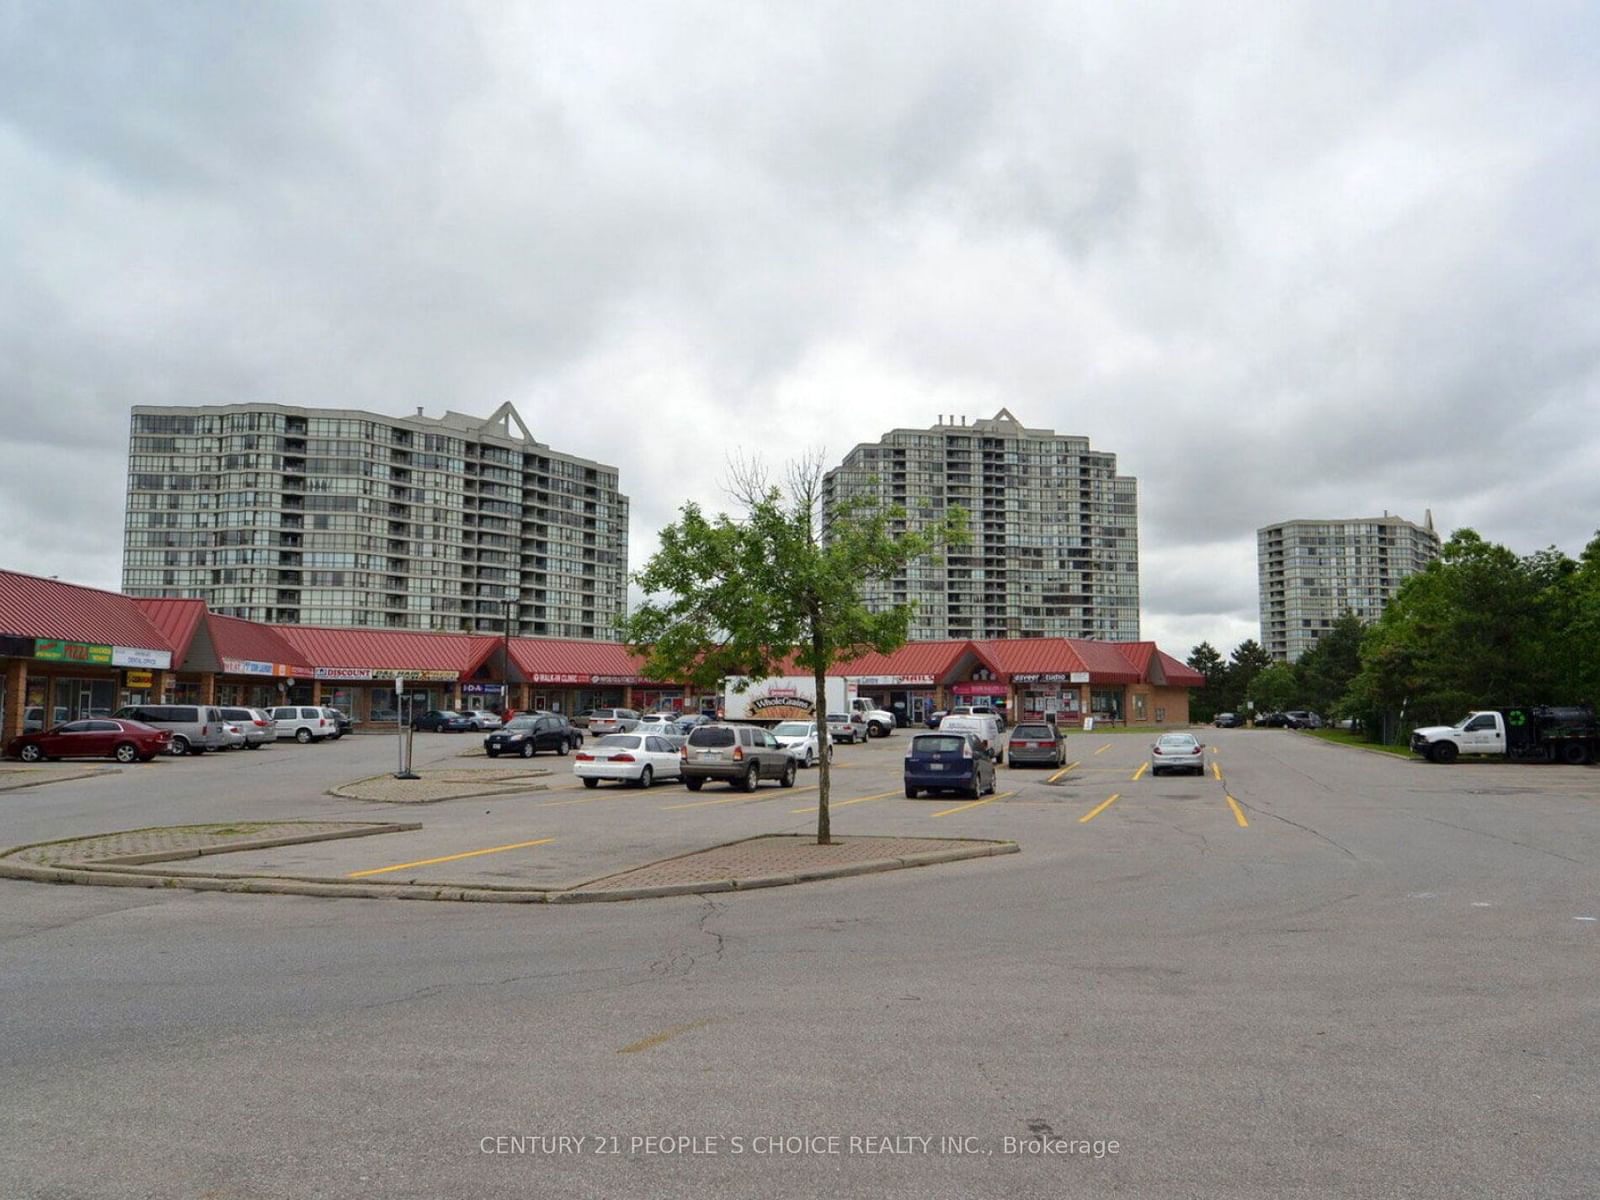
(912, 793)
(252, 745)
(180, 746)
(125, 752)
(591, 783)
(1574, 754)
(646, 776)
(753, 777)
(787, 778)
(693, 783)
(808, 760)
(302, 736)
(31, 754)
(528, 750)
(1443, 752)
(563, 748)
(976, 790)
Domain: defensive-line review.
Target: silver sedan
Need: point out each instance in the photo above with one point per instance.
(1177, 752)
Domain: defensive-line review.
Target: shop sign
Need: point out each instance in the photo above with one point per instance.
(248, 666)
(1037, 677)
(482, 689)
(556, 677)
(134, 656)
(348, 673)
(893, 680)
(979, 689)
(76, 652)
(429, 675)
(138, 681)
(624, 680)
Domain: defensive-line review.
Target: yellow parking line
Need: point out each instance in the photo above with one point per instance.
(1098, 809)
(428, 862)
(974, 804)
(1061, 772)
(1104, 748)
(657, 1039)
(737, 796)
(1238, 813)
(833, 804)
(1143, 767)
(1216, 769)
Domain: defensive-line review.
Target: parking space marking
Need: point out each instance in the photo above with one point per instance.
(1143, 767)
(739, 796)
(428, 862)
(1099, 808)
(974, 804)
(833, 804)
(657, 1039)
(1238, 813)
(1061, 772)
(1216, 769)
(1104, 748)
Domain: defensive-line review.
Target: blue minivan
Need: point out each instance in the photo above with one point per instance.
(948, 762)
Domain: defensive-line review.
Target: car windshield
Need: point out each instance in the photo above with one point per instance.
(521, 724)
(794, 729)
(1178, 740)
(627, 741)
(1032, 731)
(936, 744)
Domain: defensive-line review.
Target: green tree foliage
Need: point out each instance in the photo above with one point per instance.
(740, 595)
(1325, 671)
(1205, 703)
(1275, 688)
(1482, 626)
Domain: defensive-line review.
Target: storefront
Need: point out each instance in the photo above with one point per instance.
(1050, 696)
(49, 680)
(909, 697)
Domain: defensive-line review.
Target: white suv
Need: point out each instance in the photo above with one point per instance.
(304, 723)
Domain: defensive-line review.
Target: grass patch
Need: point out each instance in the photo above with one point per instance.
(1346, 737)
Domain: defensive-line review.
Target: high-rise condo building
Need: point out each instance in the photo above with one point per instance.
(1313, 572)
(1054, 549)
(333, 517)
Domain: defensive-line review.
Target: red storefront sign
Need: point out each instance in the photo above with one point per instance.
(979, 689)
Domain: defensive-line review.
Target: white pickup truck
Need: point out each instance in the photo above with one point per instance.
(1566, 735)
(880, 721)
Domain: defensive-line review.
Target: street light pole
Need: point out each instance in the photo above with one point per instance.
(505, 697)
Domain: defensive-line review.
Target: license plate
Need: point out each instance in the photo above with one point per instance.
(710, 755)
(935, 766)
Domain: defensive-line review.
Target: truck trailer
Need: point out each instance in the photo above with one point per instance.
(779, 698)
(1533, 733)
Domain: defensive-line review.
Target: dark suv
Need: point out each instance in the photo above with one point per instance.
(531, 733)
(741, 754)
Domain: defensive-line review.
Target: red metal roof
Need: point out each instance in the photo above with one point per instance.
(379, 649)
(177, 619)
(32, 607)
(1034, 656)
(1179, 674)
(937, 659)
(232, 637)
(551, 660)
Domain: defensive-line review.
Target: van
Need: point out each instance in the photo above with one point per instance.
(195, 728)
(987, 729)
(304, 723)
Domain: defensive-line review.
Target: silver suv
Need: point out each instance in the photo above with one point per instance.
(742, 754)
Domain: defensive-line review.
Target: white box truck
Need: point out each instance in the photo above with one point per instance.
(779, 698)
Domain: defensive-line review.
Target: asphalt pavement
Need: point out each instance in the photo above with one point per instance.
(1313, 971)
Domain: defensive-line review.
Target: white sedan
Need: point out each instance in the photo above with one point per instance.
(799, 738)
(636, 758)
(482, 718)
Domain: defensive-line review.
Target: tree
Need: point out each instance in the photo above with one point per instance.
(1275, 688)
(1205, 659)
(739, 596)
(1247, 661)
(1325, 671)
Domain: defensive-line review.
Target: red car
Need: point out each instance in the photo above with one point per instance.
(93, 737)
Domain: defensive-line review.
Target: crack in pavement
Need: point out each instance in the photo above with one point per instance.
(1511, 841)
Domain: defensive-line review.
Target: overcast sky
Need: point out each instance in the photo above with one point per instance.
(1285, 260)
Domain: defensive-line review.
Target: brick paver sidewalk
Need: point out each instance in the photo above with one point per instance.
(787, 854)
(178, 840)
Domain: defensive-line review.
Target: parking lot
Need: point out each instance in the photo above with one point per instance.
(1312, 971)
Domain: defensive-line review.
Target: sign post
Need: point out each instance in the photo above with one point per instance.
(402, 731)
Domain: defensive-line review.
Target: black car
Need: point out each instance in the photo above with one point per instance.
(1229, 721)
(442, 720)
(528, 734)
(1273, 721)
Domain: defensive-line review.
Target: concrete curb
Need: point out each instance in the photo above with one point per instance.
(121, 873)
(33, 783)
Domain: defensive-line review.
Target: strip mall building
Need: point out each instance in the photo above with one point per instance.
(68, 651)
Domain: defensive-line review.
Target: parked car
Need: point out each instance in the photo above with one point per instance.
(442, 720)
(741, 754)
(483, 718)
(1272, 720)
(304, 723)
(100, 737)
(195, 728)
(528, 734)
(1177, 752)
(613, 720)
(581, 720)
(1300, 718)
(1037, 742)
(799, 738)
(258, 726)
(1228, 721)
(688, 722)
(949, 760)
(33, 719)
(636, 758)
(936, 716)
(847, 727)
(980, 710)
(233, 736)
(342, 723)
(987, 727)
(383, 715)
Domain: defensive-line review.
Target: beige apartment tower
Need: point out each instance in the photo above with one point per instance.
(1054, 550)
(335, 517)
(1313, 572)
